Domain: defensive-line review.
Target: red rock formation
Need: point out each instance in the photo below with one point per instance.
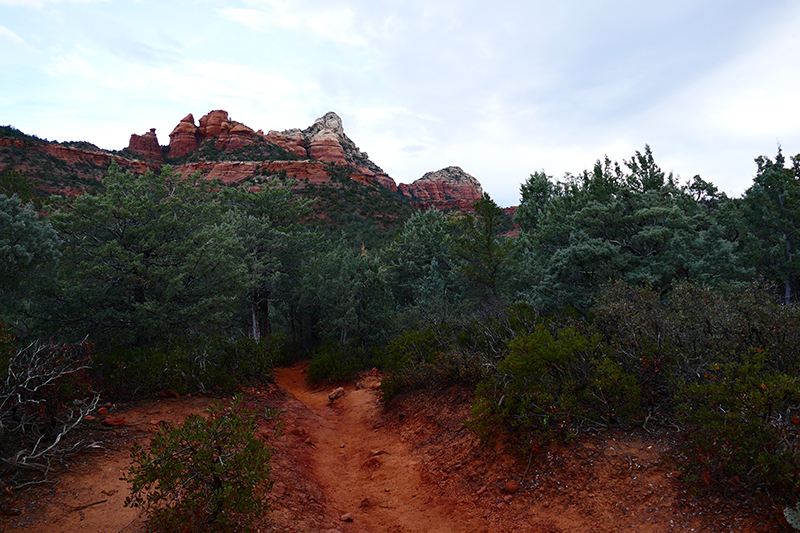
(183, 138)
(211, 124)
(229, 134)
(146, 145)
(84, 163)
(234, 135)
(101, 159)
(291, 140)
(449, 188)
(313, 172)
(323, 142)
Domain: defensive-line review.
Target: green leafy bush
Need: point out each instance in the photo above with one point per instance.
(741, 435)
(213, 364)
(550, 386)
(407, 357)
(208, 474)
(334, 362)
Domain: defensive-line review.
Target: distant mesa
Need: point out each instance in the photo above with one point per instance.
(324, 142)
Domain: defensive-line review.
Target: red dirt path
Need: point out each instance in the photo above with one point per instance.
(409, 467)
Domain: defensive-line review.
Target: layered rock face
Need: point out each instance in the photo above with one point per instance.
(147, 146)
(449, 188)
(313, 172)
(183, 138)
(63, 164)
(326, 141)
(322, 142)
(229, 134)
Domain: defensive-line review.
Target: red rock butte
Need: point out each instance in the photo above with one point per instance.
(323, 143)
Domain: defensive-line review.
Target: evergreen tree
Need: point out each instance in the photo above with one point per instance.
(632, 223)
(28, 250)
(274, 243)
(771, 215)
(483, 253)
(148, 261)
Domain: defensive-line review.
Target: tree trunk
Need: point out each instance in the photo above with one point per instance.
(254, 312)
(787, 286)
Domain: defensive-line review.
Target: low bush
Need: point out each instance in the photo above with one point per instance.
(335, 363)
(217, 364)
(551, 386)
(792, 515)
(208, 474)
(742, 435)
(407, 358)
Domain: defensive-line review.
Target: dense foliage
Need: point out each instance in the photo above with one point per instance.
(627, 298)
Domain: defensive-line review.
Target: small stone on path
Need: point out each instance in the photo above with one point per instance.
(114, 421)
(335, 394)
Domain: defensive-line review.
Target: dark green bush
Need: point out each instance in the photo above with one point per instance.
(741, 434)
(334, 362)
(407, 358)
(216, 364)
(208, 474)
(549, 387)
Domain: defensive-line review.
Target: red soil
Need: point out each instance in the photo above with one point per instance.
(355, 465)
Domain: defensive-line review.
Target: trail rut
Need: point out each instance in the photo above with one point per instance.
(366, 473)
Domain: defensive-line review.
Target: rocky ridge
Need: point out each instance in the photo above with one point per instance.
(323, 142)
(219, 147)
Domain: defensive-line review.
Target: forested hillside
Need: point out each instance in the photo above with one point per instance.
(628, 299)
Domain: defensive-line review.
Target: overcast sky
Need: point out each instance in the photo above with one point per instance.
(500, 88)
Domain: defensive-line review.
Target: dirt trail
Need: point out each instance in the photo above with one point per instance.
(408, 467)
(365, 472)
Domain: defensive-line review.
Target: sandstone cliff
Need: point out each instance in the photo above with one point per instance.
(54, 168)
(228, 134)
(322, 142)
(449, 188)
(146, 146)
(326, 141)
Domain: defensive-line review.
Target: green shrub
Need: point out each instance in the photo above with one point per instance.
(406, 358)
(334, 362)
(549, 386)
(208, 474)
(424, 359)
(214, 364)
(741, 434)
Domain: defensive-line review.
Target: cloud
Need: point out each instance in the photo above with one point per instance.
(412, 149)
(75, 63)
(328, 23)
(41, 4)
(13, 38)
